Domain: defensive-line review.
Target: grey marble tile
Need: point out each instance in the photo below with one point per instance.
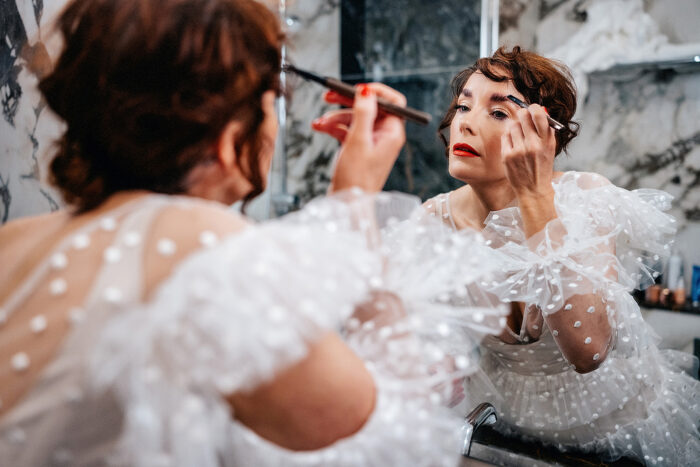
(410, 36)
(27, 128)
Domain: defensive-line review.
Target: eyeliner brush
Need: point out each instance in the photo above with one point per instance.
(347, 90)
(553, 123)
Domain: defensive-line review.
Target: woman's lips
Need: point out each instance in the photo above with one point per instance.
(464, 150)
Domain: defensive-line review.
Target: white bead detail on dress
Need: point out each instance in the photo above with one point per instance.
(132, 239)
(577, 324)
(58, 286)
(166, 247)
(568, 306)
(38, 324)
(588, 340)
(81, 241)
(20, 362)
(76, 315)
(112, 254)
(590, 309)
(108, 224)
(113, 295)
(208, 238)
(59, 261)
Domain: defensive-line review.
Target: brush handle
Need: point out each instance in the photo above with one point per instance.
(553, 123)
(408, 113)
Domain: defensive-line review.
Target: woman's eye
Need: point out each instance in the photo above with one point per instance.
(499, 115)
(461, 108)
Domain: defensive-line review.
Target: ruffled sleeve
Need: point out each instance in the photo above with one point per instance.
(234, 315)
(603, 235)
(604, 242)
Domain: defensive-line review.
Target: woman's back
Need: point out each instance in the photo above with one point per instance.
(64, 273)
(167, 327)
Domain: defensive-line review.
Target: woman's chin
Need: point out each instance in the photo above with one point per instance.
(461, 169)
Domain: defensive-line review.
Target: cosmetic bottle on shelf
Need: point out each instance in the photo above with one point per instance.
(675, 281)
(695, 288)
(652, 294)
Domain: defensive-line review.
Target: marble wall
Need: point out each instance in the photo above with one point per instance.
(27, 128)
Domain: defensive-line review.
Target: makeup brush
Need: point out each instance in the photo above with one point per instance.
(553, 123)
(348, 90)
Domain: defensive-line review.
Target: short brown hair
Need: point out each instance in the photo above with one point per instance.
(540, 80)
(147, 87)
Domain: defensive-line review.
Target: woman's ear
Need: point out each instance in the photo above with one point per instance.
(225, 146)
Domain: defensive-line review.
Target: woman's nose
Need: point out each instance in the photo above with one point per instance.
(466, 124)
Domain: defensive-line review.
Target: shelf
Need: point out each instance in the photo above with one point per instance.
(686, 309)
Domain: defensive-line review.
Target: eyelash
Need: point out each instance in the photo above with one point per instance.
(497, 114)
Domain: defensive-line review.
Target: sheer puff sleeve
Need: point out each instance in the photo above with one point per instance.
(604, 242)
(235, 314)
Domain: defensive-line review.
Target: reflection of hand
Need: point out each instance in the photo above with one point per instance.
(528, 147)
(371, 140)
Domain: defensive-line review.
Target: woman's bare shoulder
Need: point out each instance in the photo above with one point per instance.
(192, 216)
(20, 235)
(25, 225)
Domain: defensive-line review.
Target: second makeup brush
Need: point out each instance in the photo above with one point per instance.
(348, 90)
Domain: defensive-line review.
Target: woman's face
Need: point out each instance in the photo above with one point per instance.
(480, 120)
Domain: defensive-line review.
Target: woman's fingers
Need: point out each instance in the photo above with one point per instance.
(517, 138)
(538, 117)
(380, 90)
(364, 112)
(333, 97)
(334, 123)
(536, 130)
(372, 141)
(390, 94)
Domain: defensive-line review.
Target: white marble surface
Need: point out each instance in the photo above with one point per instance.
(314, 45)
(27, 127)
(676, 330)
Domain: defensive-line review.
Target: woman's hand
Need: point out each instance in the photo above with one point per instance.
(528, 148)
(370, 140)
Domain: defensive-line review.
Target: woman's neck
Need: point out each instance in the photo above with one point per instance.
(475, 201)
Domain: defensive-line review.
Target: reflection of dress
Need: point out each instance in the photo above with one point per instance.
(639, 402)
(140, 383)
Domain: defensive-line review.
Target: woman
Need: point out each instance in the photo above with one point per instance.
(576, 365)
(150, 325)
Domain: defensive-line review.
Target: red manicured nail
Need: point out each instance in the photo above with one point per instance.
(364, 90)
(545, 109)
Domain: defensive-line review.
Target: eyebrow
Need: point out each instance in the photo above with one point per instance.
(494, 97)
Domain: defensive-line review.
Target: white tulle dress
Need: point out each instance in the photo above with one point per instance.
(140, 383)
(640, 402)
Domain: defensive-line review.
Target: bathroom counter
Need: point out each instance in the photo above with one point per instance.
(677, 330)
(491, 446)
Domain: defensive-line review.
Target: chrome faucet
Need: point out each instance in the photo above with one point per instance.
(483, 414)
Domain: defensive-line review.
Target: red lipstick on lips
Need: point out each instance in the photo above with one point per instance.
(464, 150)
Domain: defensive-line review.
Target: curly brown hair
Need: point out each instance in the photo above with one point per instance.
(147, 87)
(540, 80)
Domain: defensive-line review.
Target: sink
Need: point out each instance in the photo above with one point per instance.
(490, 447)
(482, 455)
